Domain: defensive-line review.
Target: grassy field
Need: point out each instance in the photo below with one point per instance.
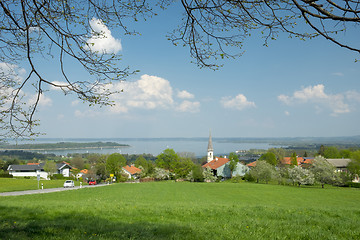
(169, 210)
(21, 184)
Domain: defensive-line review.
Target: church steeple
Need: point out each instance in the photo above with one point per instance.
(210, 150)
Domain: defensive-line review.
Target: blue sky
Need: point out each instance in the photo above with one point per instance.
(292, 88)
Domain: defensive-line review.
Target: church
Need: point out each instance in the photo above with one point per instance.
(220, 166)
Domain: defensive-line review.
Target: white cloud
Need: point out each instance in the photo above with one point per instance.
(185, 95)
(101, 40)
(43, 101)
(287, 113)
(12, 72)
(353, 96)
(188, 106)
(239, 102)
(75, 102)
(149, 92)
(87, 113)
(316, 95)
(339, 74)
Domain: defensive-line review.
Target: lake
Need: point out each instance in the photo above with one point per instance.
(156, 145)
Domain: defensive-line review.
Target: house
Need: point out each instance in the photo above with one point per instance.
(340, 164)
(82, 173)
(132, 171)
(63, 168)
(287, 160)
(252, 164)
(220, 167)
(35, 169)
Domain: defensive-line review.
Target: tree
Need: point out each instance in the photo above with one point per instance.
(196, 174)
(68, 30)
(331, 152)
(213, 27)
(263, 171)
(323, 171)
(294, 161)
(233, 162)
(270, 158)
(279, 153)
(322, 150)
(301, 176)
(114, 163)
(141, 161)
(50, 167)
(77, 162)
(183, 167)
(167, 159)
(354, 164)
(208, 175)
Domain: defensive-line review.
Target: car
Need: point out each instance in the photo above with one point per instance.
(92, 182)
(69, 183)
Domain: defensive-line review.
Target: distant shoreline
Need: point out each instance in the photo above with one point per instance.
(59, 149)
(61, 146)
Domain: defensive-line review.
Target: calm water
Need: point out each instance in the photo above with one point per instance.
(156, 146)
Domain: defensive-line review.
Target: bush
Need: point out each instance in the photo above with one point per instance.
(121, 178)
(27, 177)
(6, 175)
(237, 179)
(57, 177)
(352, 184)
(147, 179)
(249, 178)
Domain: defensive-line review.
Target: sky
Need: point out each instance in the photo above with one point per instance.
(291, 88)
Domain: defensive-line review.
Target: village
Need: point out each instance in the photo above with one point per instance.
(168, 165)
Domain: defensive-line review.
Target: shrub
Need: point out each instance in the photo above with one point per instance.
(6, 175)
(352, 184)
(147, 179)
(249, 178)
(57, 177)
(237, 179)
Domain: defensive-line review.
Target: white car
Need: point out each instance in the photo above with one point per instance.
(69, 183)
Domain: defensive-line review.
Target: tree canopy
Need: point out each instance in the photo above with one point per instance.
(67, 30)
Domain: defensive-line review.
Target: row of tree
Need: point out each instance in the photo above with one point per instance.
(320, 171)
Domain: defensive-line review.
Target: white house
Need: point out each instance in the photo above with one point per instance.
(34, 169)
(132, 171)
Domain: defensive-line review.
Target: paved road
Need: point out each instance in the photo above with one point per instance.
(48, 190)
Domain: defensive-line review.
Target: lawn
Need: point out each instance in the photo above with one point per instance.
(169, 210)
(21, 184)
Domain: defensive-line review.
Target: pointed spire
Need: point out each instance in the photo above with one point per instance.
(210, 146)
(210, 151)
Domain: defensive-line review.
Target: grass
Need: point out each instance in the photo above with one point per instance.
(168, 210)
(21, 184)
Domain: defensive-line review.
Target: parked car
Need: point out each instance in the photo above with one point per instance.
(69, 183)
(92, 182)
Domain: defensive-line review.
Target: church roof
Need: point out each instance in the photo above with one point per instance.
(216, 163)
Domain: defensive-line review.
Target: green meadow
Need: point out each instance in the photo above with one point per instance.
(21, 184)
(169, 210)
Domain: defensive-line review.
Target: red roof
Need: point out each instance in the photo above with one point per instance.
(216, 163)
(132, 169)
(252, 164)
(84, 171)
(287, 160)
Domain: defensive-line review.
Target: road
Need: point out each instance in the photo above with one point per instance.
(48, 190)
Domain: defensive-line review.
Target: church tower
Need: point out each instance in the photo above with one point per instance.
(210, 150)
